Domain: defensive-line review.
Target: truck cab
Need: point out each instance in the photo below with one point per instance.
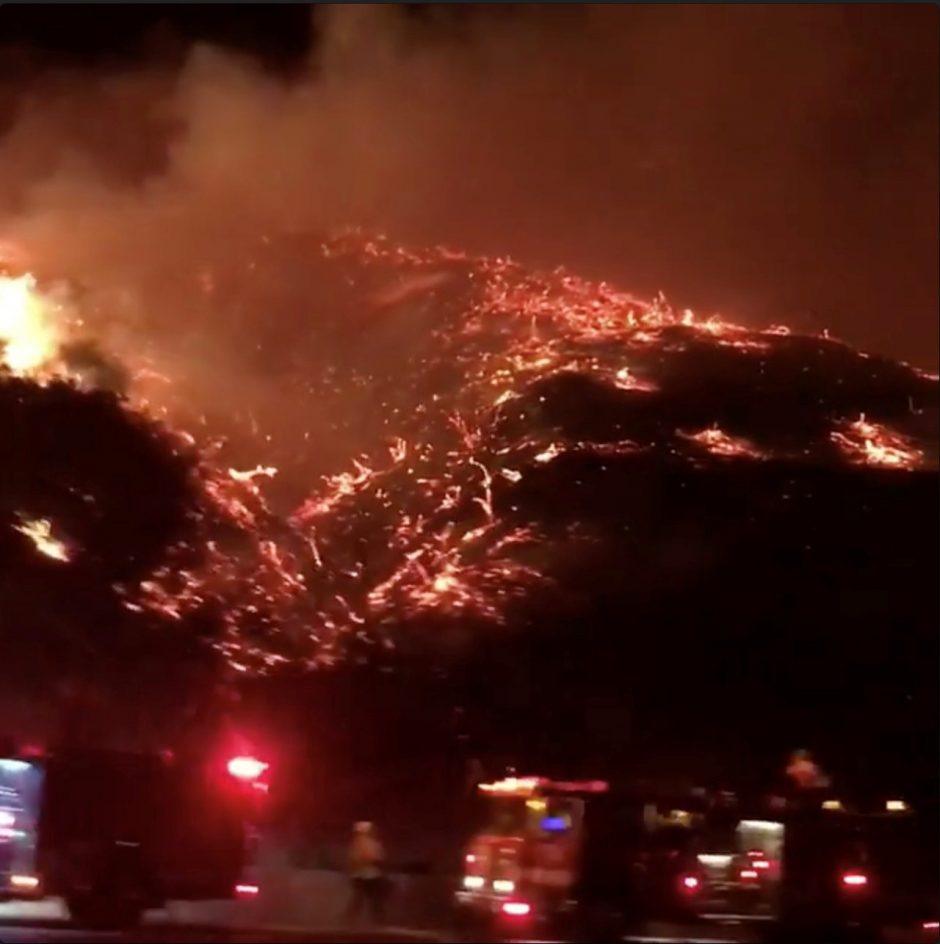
(115, 833)
(523, 863)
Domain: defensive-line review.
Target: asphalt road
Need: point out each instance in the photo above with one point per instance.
(56, 932)
(61, 932)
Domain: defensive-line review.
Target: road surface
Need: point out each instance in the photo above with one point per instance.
(58, 932)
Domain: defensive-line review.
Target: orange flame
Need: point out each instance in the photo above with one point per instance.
(39, 531)
(868, 443)
(29, 332)
(720, 443)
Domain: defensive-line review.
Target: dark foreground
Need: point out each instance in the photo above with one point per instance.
(58, 932)
(61, 932)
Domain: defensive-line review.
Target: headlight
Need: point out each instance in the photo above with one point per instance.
(473, 883)
(503, 886)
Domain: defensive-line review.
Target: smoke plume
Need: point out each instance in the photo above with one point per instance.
(777, 164)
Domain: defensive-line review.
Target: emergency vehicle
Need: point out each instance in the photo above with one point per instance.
(824, 866)
(596, 864)
(524, 861)
(115, 833)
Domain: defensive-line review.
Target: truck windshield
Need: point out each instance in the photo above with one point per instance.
(535, 816)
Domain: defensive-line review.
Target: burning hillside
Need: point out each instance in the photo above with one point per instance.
(421, 439)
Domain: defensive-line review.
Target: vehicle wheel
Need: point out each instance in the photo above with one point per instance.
(821, 934)
(599, 925)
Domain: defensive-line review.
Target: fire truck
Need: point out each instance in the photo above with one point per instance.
(115, 834)
(573, 856)
(527, 853)
(523, 863)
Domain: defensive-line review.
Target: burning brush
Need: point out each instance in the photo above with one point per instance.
(498, 422)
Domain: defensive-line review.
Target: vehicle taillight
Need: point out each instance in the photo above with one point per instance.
(762, 864)
(931, 925)
(748, 875)
(517, 909)
(690, 883)
(854, 879)
(246, 890)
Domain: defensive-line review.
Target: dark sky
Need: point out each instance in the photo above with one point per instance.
(778, 163)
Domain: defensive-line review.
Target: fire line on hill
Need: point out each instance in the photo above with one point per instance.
(489, 402)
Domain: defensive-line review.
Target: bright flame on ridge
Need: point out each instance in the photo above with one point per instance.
(29, 338)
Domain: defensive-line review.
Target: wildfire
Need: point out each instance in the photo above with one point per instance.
(427, 517)
(39, 531)
(29, 336)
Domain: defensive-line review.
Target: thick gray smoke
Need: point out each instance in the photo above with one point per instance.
(778, 164)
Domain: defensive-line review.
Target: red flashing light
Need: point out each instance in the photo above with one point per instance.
(690, 883)
(854, 879)
(931, 926)
(246, 890)
(246, 768)
(517, 909)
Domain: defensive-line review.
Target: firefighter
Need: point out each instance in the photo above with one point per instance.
(367, 874)
(804, 773)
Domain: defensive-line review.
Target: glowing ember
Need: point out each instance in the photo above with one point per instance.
(260, 471)
(720, 443)
(552, 451)
(625, 380)
(39, 531)
(869, 443)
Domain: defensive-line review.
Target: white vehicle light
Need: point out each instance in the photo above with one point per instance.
(24, 881)
(715, 860)
(762, 825)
